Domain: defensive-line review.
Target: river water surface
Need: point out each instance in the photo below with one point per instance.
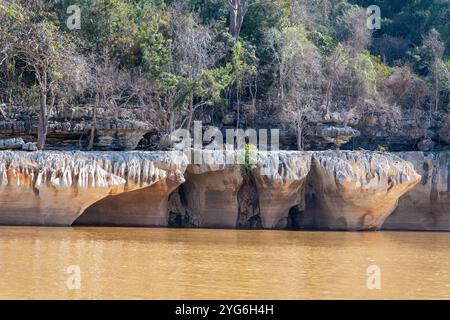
(136, 263)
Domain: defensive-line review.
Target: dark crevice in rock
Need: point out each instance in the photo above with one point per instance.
(448, 177)
(248, 200)
(296, 219)
(426, 169)
(434, 191)
(178, 214)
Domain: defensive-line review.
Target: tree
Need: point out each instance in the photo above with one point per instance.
(436, 49)
(239, 8)
(191, 48)
(46, 53)
(353, 38)
(300, 74)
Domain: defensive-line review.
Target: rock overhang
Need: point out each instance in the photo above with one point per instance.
(349, 184)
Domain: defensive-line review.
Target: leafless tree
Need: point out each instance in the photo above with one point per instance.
(355, 37)
(436, 48)
(300, 78)
(238, 10)
(192, 48)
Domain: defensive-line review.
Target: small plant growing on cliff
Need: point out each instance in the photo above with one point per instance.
(248, 156)
(381, 149)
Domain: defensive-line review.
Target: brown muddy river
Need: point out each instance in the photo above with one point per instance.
(139, 263)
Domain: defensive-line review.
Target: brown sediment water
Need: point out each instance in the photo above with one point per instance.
(145, 263)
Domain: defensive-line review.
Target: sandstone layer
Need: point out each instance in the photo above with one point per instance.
(355, 190)
(337, 190)
(54, 188)
(211, 190)
(280, 179)
(427, 206)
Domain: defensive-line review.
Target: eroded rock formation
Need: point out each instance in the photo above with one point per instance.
(54, 188)
(344, 190)
(211, 191)
(355, 190)
(120, 129)
(280, 179)
(427, 206)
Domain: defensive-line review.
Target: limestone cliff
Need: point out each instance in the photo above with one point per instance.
(344, 190)
(280, 179)
(355, 190)
(211, 190)
(427, 206)
(54, 188)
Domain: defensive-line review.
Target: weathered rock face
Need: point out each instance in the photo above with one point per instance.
(142, 207)
(17, 144)
(355, 190)
(322, 137)
(280, 179)
(427, 206)
(54, 188)
(211, 191)
(11, 143)
(117, 130)
(344, 190)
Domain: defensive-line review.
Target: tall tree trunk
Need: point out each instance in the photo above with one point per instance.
(171, 121)
(300, 138)
(233, 17)
(43, 117)
(94, 123)
(191, 110)
(325, 10)
(436, 89)
(328, 95)
(3, 114)
(238, 8)
(238, 98)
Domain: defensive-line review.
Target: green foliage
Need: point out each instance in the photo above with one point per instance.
(371, 69)
(382, 70)
(382, 149)
(243, 61)
(213, 82)
(325, 43)
(209, 11)
(282, 43)
(154, 47)
(264, 15)
(248, 156)
(411, 20)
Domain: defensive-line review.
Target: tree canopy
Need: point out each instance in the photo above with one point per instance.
(181, 59)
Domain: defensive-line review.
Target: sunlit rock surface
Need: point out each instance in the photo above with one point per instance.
(355, 190)
(338, 190)
(211, 190)
(54, 188)
(427, 206)
(280, 178)
(142, 207)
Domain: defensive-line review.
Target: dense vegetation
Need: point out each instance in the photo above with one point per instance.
(183, 60)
